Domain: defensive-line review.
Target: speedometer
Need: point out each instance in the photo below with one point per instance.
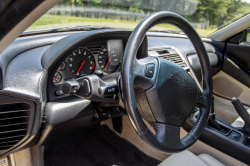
(81, 62)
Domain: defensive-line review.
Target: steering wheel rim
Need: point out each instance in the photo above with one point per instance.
(166, 139)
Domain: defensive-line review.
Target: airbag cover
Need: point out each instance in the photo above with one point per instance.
(174, 95)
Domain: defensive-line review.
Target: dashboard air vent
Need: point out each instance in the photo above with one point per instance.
(13, 124)
(172, 56)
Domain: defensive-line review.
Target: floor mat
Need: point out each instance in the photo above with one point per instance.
(98, 146)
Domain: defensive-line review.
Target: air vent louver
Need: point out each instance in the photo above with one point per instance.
(13, 124)
(173, 57)
(170, 54)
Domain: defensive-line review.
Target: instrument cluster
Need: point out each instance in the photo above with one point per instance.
(94, 59)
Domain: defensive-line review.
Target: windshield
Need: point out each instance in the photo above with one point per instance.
(207, 16)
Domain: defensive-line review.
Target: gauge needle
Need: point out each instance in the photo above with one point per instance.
(55, 79)
(61, 67)
(107, 63)
(80, 68)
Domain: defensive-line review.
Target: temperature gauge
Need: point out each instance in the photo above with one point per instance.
(62, 66)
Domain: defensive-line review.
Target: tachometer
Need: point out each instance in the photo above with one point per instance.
(105, 62)
(81, 62)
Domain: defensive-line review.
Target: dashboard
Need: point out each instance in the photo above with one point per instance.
(35, 67)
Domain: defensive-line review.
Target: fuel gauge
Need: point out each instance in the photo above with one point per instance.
(57, 77)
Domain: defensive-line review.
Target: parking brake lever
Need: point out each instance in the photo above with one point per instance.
(243, 114)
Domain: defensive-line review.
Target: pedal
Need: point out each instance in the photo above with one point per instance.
(117, 124)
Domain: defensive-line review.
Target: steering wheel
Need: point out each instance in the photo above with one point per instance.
(163, 93)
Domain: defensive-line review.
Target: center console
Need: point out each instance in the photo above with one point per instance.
(221, 135)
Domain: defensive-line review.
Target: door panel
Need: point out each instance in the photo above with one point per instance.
(228, 87)
(235, 71)
(233, 80)
(240, 55)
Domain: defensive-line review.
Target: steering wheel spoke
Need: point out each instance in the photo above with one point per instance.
(145, 71)
(202, 100)
(168, 135)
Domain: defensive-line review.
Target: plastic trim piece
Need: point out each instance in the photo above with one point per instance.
(1, 79)
(64, 115)
(231, 30)
(215, 63)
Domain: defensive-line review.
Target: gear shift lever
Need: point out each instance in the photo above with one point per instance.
(243, 114)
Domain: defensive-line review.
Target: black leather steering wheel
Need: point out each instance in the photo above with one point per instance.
(163, 93)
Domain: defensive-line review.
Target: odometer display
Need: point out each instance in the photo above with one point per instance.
(105, 62)
(81, 62)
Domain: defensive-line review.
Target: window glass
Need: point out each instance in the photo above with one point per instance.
(207, 16)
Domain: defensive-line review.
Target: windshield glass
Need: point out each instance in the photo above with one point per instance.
(207, 16)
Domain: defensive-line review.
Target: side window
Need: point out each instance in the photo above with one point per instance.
(245, 40)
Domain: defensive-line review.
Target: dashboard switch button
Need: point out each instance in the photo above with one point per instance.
(108, 90)
(59, 93)
(150, 70)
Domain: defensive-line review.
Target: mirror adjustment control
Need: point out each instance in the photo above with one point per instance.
(150, 70)
(108, 90)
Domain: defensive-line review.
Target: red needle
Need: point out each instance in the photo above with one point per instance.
(55, 79)
(80, 68)
(93, 65)
(61, 67)
(107, 63)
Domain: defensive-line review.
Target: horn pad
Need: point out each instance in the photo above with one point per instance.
(174, 95)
